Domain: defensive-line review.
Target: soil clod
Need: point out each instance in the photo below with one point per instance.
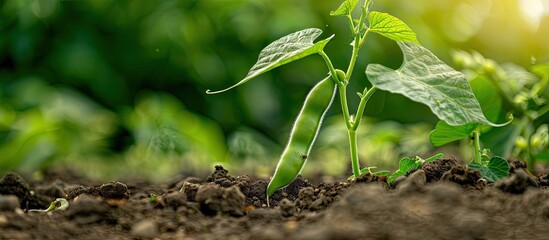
(435, 169)
(214, 199)
(517, 183)
(13, 184)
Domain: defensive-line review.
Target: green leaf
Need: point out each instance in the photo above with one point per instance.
(282, 51)
(366, 170)
(426, 79)
(445, 133)
(541, 70)
(495, 170)
(433, 158)
(380, 173)
(543, 156)
(501, 141)
(391, 27)
(489, 100)
(488, 97)
(345, 8)
(405, 165)
(369, 170)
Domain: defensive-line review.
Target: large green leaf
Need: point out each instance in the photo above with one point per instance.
(282, 51)
(426, 79)
(488, 97)
(345, 8)
(501, 141)
(445, 133)
(496, 169)
(489, 100)
(391, 27)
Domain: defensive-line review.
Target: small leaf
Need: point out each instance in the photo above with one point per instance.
(426, 79)
(405, 165)
(445, 133)
(381, 173)
(495, 170)
(282, 51)
(345, 8)
(433, 158)
(367, 169)
(58, 204)
(391, 27)
(499, 167)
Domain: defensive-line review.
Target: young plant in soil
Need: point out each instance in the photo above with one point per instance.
(513, 89)
(492, 169)
(407, 164)
(422, 78)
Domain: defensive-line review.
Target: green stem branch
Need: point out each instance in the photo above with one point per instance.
(342, 87)
(351, 24)
(362, 105)
(354, 55)
(330, 67)
(476, 143)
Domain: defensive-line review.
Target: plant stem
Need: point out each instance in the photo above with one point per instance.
(354, 55)
(476, 143)
(360, 111)
(354, 152)
(330, 67)
(342, 87)
(351, 24)
(352, 125)
(345, 107)
(542, 111)
(353, 141)
(531, 160)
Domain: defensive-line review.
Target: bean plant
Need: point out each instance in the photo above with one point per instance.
(490, 168)
(505, 89)
(422, 77)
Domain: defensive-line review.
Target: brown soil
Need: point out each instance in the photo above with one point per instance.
(441, 200)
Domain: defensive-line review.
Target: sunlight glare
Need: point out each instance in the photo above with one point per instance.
(533, 10)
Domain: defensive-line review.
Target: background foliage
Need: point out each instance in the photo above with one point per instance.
(117, 87)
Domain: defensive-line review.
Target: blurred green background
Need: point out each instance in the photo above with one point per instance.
(116, 88)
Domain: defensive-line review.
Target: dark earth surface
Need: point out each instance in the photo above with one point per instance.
(441, 200)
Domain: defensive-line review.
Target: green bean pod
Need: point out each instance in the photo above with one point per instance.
(303, 135)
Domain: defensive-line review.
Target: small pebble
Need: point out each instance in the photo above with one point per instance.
(145, 228)
(3, 221)
(9, 202)
(287, 208)
(414, 182)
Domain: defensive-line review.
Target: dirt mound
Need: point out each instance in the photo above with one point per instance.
(440, 200)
